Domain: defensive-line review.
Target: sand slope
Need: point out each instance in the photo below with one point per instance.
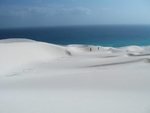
(38, 77)
(16, 54)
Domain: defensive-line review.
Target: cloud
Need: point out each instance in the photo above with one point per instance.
(13, 11)
(60, 10)
(80, 10)
(52, 9)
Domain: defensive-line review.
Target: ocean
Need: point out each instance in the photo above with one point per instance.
(102, 35)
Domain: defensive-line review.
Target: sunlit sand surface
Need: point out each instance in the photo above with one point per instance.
(39, 77)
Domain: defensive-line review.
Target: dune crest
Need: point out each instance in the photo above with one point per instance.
(14, 40)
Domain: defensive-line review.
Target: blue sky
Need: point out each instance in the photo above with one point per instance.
(32, 13)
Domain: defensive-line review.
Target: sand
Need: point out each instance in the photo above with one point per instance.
(39, 77)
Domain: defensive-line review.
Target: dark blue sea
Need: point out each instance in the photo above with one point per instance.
(103, 35)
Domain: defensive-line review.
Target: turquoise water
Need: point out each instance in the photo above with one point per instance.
(107, 35)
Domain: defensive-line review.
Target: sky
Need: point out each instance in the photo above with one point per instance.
(40, 13)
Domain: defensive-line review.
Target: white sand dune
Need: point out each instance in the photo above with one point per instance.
(38, 77)
(18, 53)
